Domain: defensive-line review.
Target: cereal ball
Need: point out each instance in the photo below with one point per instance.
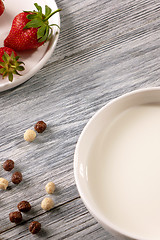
(3, 183)
(8, 165)
(16, 177)
(15, 217)
(50, 187)
(40, 126)
(24, 206)
(47, 204)
(34, 227)
(29, 135)
(2, 186)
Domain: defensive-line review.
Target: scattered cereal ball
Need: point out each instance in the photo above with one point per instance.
(16, 177)
(40, 126)
(8, 165)
(47, 204)
(34, 227)
(3, 183)
(50, 187)
(24, 206)
(15, 217)
(29, 135)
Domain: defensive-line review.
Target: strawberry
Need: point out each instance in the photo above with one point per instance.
(1, 7)
(30, 30)
(9, 63)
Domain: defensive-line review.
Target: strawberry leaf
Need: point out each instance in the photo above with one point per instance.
(12, 55)
(44, 38)
(16, 58)
(31, 16)
(39, 8)
(2, 70)
(5, 57)
(41, 31)
(10, 77)
(20, 68)
(48, 10)
(50, 34)
(35, 23)
(55, 25)
(4, 74)
(2, 64)
(19, 63)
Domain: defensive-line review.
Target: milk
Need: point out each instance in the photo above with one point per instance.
(124, 171)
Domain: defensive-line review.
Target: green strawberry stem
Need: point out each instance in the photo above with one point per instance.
(39, 21)
(58, 10)
(10, 66)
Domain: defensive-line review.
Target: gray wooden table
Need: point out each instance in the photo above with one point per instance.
(106, 48)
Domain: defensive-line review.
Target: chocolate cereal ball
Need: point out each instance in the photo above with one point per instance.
(34, 227)
(15, 217)
(8, 165)
(24, 206)
(16, 177)
(40, 126)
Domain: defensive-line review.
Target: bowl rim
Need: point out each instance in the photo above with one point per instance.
(105, 222)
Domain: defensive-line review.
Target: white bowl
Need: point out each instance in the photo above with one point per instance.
(99, 123)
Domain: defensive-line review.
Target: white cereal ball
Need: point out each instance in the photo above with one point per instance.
(3, 183)
(50, 187)
(29, 135)
(47, 204)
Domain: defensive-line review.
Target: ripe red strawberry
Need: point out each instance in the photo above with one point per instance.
(1, 7)
(9, 63)
(30, 29)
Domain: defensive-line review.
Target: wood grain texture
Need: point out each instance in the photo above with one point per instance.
(83, 225)
(105, 49)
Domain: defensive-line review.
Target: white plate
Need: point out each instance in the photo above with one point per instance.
(34, 60)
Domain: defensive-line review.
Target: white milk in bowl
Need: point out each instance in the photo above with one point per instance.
(124, 171)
